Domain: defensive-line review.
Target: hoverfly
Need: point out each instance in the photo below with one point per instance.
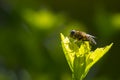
(79, 35)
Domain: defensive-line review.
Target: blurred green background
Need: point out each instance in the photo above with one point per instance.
(30, 46)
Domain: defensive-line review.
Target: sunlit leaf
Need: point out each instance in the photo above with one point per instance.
(80, 57)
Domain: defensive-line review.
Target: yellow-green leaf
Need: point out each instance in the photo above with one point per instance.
(80, 57)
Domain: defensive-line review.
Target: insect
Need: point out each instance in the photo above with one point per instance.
(79, 35)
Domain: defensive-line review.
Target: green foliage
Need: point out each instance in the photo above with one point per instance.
(29, 43)
(81, 58)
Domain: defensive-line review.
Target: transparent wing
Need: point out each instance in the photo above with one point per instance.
(91, 38)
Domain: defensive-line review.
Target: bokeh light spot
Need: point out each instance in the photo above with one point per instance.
(116, 21)
(43, 19)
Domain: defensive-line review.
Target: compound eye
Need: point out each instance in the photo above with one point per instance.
(72, 32)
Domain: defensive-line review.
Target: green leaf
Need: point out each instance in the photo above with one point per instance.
(94, 56)
(69, 54)
(80, 57)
